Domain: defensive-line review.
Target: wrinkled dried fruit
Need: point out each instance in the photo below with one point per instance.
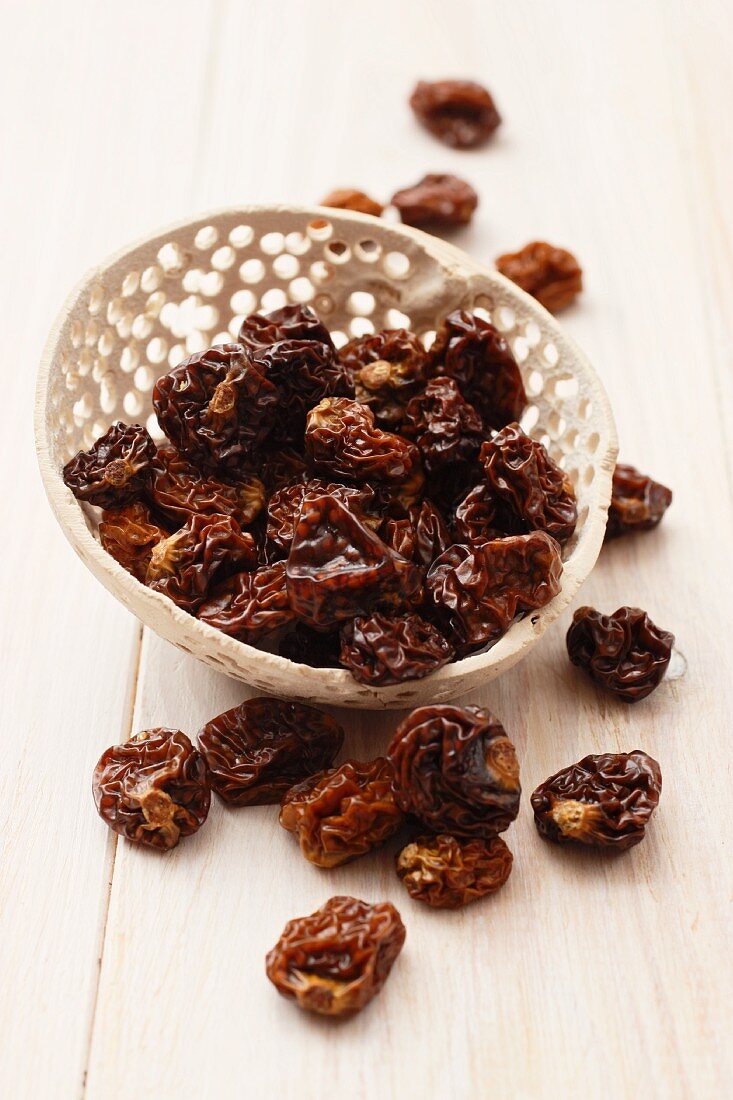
(216, 407)
(522, 475)
(348, 198)
(306, 646)
(477, 590)
(298, 322)
(604, 801)
(473, 352)
(385, 650)
(624, 652)
(446, 429)
(342, 813)
(153, 789)
(459, 113)
(431, 532)
(130, 535)
(336, 960)
(637, 502)
(448, 873)
(186, 565)
(456, 770)
(477, 516)
(399, 535)
(283, 509)
(258, 750)
(280, 467)
(387, 368)
(179, 490)
(342, 439)
(304, 372)
(115, 471)
(436, 201)
(249, 606)
(551, 275)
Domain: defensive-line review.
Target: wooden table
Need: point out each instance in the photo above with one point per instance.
(127, 974)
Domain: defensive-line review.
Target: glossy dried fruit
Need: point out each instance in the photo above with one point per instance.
(431, 533)
(637, 502)
(477, 590)
(477, 516)
(456, 770)
(447, 873)
(258, 750)
(437, 201)
(186, 566)
(551, 275)
(115, 471)
(304, 372)
(524, 477)
(217, 407)
(280, 466)
(624, 652)
(306, 646)
(605, 801)
(460, 113)
(178, 490)
(348, 198)
(153, 789)
(343, 812)
(284, 506)
(342, 439)
(249, 606)
(446, 429)
(130, 536)
(382, 650)
(475, 354)
(387, 368)
(296, 322)
(336, 960)
(399, 535)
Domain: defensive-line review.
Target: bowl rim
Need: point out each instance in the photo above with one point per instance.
(504, 653)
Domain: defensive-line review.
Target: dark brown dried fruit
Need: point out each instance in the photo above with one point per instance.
(523, 476)
(280, 467)
(456, 771)
(477, 590)
(624, 652)
(399, 535)
(130, 536)
(342, 439)
(476, 517)
(387, 368)
(459, 113)
(605, 801)
(249, 606)
(186, 565)
(446, 429)
(385, 650)
(431, 532)
(342, 813)
(348, 198)
(115, 471)
(179, 490)
(336, 960)
(284, 506)
(306, 646)
(436, 201)
(216, 407)
(153, 789)
(297, 322)
(551, 275)
(304, 372)
(448, 873)
(475, 354)
(637, 502)
(258, 750)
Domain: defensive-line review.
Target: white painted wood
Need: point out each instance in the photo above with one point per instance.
(616, 143)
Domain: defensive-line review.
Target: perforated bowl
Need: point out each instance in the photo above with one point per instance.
(189, 286)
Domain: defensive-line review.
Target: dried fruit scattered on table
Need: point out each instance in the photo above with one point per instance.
(342, 439)
(216, 407)
(477, 590)
(178, 490)
(456, 770)
(473, 352)
(459, 113)
(436, 201)
(382, 649)
(153, 789)
(304, 372)
(336, 960)
(249, 606)
(447, 873)
(306, 646)
(626, 653)
(115, 471)
(605, 801)
(551, 275)
(524, 477)
(186, 565)
(387, 368)
(445, 427)
(297, 322)
(130, 535)
(348, 198)
(283, 509)
(258, 750)
(637, 502)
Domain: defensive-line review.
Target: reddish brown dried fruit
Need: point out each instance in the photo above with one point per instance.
(459, 113)
(342, 813)
(216, 407)
(605, 801)
(115, 471)
(258, 750)
(431, 533)
(280, 467)
(456, 770)
(306, 646)
(446, 429)
(179, 490)
(624, 652)
(637, 502)
(298, 322)
(283, 509)
(399, 535)
(153, 789)
(249, 606)
(448, 873)
(551, 275)
(348, 198)
(385, 650)
(337, 959)
(475, 354)
(130, 535)
(387, 368)
(186, 565)
(436, 201)
(304, 372)
(477, 590)
(477, 516)
(523, 476)
(342, 439)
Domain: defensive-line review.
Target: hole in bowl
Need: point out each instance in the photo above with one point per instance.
(301, 289)
(206, 237)
(252, 271)
(285, 266)
(297, 243)
(396, 265)
(241, 236)
(272, 243)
